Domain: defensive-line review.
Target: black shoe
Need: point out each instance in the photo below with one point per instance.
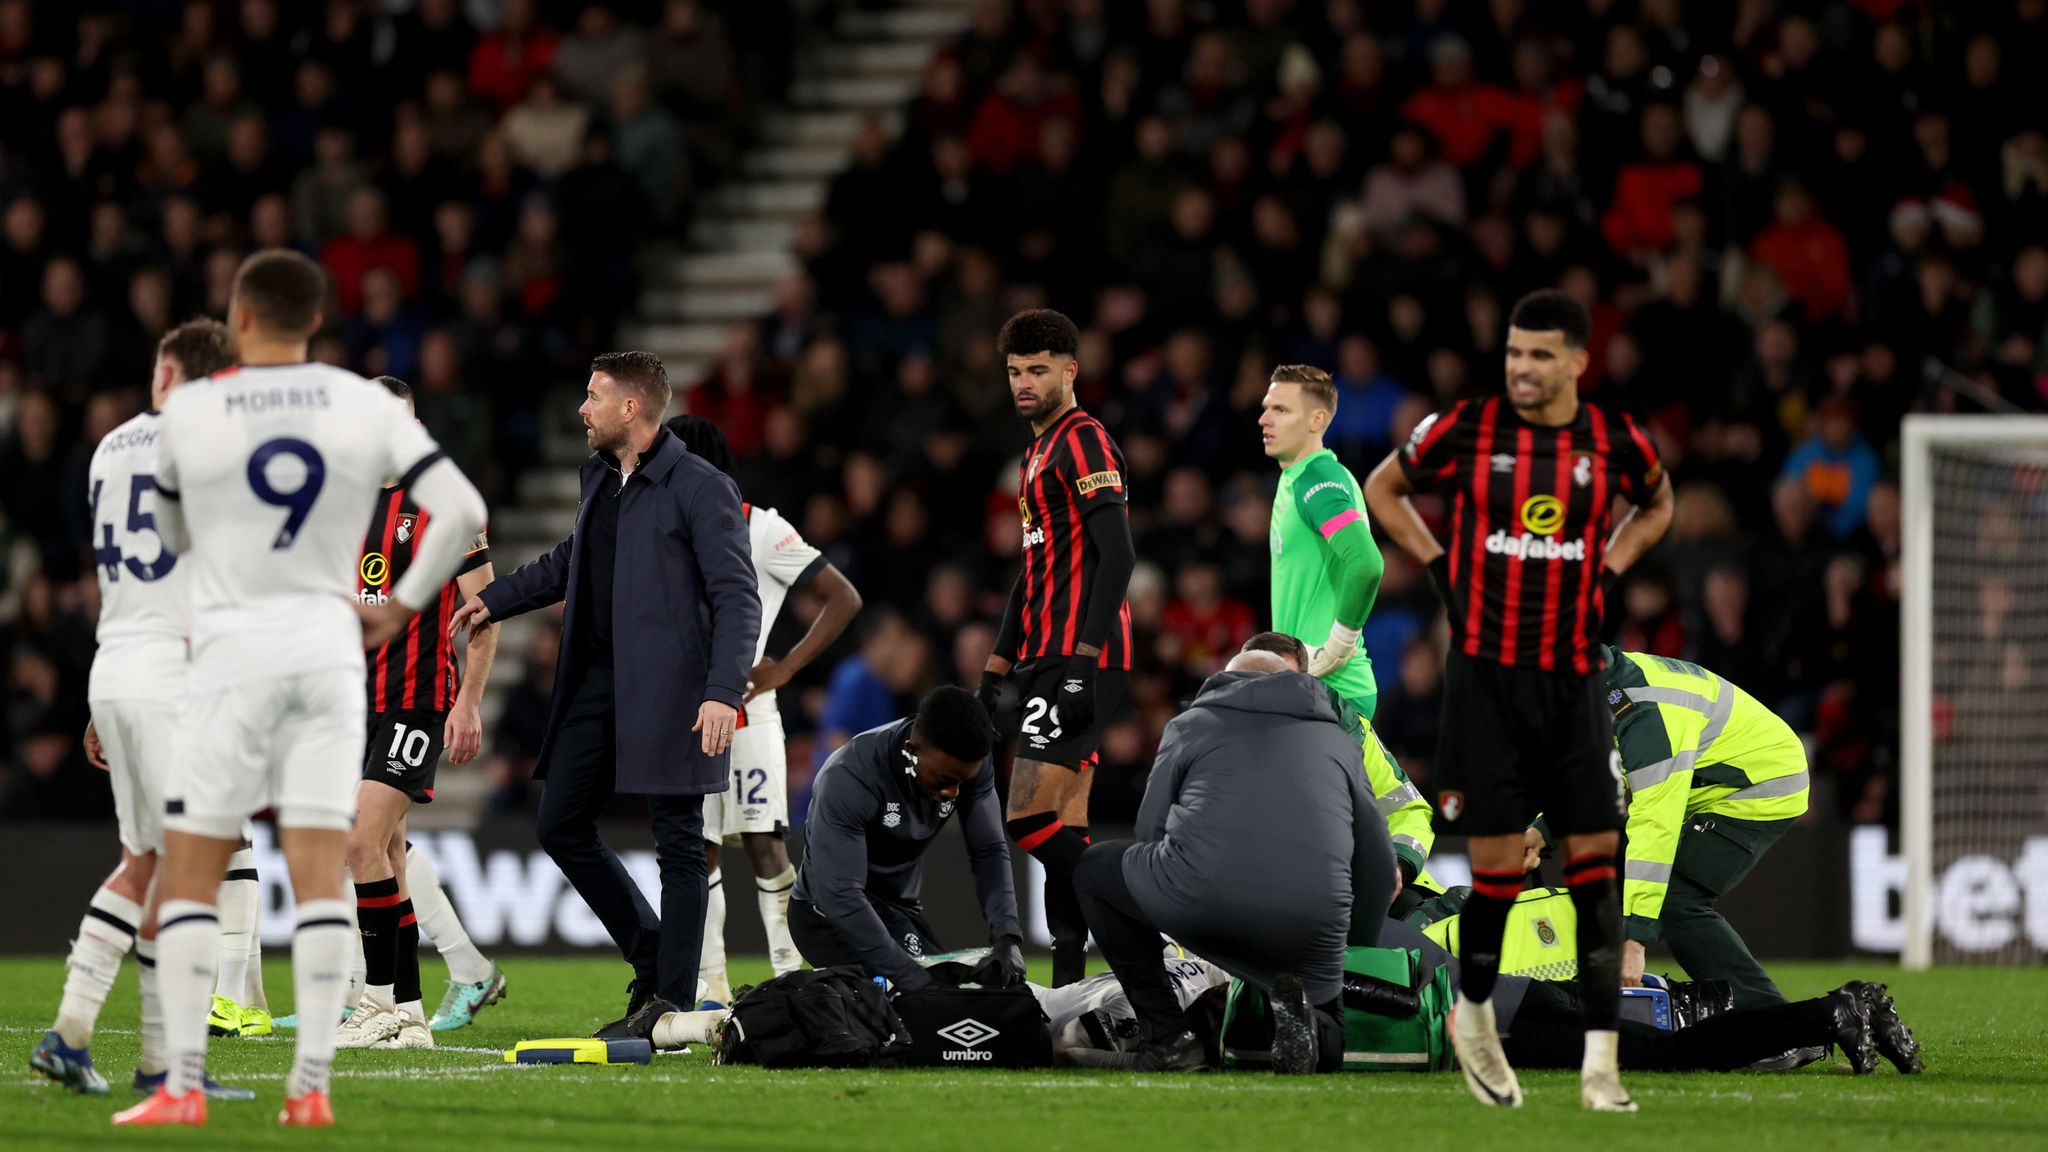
(1893, 1039)
(638, 993)
(1178, 1053)
(1791, 1058)
(1294, 1028)
(640, 1024)
(1850, 1022)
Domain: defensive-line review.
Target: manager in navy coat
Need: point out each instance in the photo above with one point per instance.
(663, 613)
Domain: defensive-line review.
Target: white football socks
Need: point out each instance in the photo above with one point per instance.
(320, 958)
(439, 923)
(1602, 1057)
(677, 1029)
(773, 896)
(151, 1061)
(105, 934)
(236, 902)
(187, 940)
(711, 967)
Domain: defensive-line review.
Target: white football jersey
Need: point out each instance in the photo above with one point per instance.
(1191, 976)
(782, 557)
(277, 469)
(145, 612)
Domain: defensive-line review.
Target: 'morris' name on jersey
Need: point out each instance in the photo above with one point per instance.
(277, 469)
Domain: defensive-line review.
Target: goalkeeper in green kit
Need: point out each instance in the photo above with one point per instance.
(1326, 572)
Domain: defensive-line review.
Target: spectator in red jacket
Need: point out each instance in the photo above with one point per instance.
(1638, 222)
(1464, 116)
(370, 243)
(1807, 253)
(505, 63)
(1008, 125)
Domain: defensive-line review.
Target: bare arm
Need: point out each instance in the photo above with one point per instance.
(1640, 530)
(464, 735)
(841, 604)
(1387, 493)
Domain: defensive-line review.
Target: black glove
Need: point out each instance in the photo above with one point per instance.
(986, 692)
(1440, 575)
(1003, 967)
(1076, 694)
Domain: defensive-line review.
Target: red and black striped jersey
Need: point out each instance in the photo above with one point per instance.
(416, 670)
(1071, 469)
(1531, 510)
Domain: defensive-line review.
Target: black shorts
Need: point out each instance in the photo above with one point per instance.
(1519, 742)
(1040, 735)
(404, 750)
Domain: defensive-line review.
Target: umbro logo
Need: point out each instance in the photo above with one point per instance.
(396, 769)
(1503, 462)
(1073, 685)
(968, 1033)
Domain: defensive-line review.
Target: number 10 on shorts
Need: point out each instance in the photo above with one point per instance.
(409, 745)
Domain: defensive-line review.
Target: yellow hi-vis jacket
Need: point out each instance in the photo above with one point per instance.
(1408, 815)
(1691, 743)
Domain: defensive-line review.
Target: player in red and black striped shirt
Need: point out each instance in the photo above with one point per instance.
(1531, 479)
(1066, 635)
(419, 702)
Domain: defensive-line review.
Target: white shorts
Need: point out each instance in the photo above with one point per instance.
(137, 736)
(293, 744)
(758, 798)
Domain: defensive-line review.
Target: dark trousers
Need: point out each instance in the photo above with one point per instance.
(1132, 944)
(821, 945)
(582, 773)
(1549, 1031)
(1714, 854)
(1128, 938)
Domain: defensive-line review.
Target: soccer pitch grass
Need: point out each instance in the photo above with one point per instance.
(1985, 1032)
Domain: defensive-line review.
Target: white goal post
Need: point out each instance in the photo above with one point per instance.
(1973, 704)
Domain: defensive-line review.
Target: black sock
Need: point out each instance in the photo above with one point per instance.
(377, 918)
(1597, 899)
(1480, 927)
(406, 985)
(1058, 848)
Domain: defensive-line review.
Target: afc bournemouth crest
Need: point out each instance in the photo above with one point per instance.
(405, 528)
(1451, 804)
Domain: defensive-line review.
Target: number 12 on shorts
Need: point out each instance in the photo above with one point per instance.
(747, 784)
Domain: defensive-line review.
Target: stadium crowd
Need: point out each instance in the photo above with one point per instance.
(474, 176)
(1793, 222)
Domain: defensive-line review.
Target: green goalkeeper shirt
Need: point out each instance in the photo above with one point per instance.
(1326, 567)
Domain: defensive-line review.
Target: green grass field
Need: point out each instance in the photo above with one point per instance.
(1985, 1033)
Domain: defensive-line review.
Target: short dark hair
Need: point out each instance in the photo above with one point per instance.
(282, 289)
(954, 722)
(200, 347)
(1315, 384)
(640, 372)
(1037, 330)
(1280, 644)
(395, 386)
(1549, 310)
(703, 438)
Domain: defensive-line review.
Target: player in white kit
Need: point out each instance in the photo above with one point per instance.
(265, 478)
(138, 679)
(754, 812)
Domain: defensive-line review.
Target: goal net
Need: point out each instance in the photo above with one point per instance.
(1974, 690)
